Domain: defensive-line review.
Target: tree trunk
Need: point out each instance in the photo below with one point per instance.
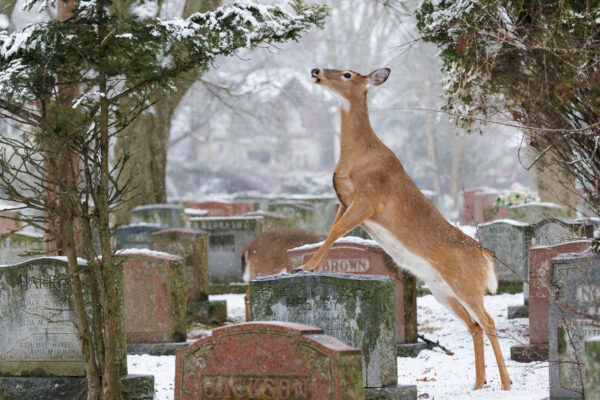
(146, 140)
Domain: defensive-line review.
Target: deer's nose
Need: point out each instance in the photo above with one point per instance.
(315, 71)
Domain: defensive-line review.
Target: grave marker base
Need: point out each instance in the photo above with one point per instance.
(156, 349)
(400, 392)
(411, 350)
(518, 312)
(133, 387)
(529, 353)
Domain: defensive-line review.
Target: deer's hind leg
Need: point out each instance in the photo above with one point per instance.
(476, 332)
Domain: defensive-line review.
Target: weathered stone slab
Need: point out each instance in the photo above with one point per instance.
(509, 242)
(358, 256)
(37, 320)
(268, 360)
(20, 246)
(591, 380)
(272, 219)
(136, 236)
(9, 219)
(301, 214)
(539, 299)
(225, 208)
(192, 245)
(171, 215)
(133, 387)
(536, 211)
(357, 309)
(479, 206)
(227, 236)
(324, 207)
(574, 314)
(553, 231)
(155, 296)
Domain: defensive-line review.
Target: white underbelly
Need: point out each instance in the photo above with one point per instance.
(410, 261)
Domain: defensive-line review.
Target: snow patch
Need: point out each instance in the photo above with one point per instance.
(345, 239)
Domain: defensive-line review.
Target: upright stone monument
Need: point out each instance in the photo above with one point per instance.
(509, 242)
(19, 246)
(40, 354)
(539, 299)
(301, 214)
(533, 212)
(272, 219)
(324, 207)
(591, 379)
(136, 236)
(358, 256)
(227, 236)
(268, 360)
(357, 309)
(171, 215)
(574, 315)
(155, 296)
(552, 231)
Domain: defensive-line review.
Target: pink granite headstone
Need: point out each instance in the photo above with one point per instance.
(155, 294)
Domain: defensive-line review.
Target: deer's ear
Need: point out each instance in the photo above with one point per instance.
(378, 76)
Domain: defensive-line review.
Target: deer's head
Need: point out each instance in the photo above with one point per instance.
(349, 84)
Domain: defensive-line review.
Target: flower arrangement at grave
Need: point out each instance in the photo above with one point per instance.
(517, 197)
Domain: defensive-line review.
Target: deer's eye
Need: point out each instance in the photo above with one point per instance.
(347, 75)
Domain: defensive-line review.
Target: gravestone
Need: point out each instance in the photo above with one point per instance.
(357, 309)
(539, 299)
(9, 219)
(359, 256)
(136, 236)
(536, 211)
(225, 208)
(190, 213)
(192, 245)
(574, 314)
(467, 211)
(324, 207)
(591, 378)
(227, 236)
(268, 360)
(40, 354)
(509, 242)
(155, 294)
(301, 214)
(170, 215)
(20, 246)
(271, 220)
(553, 231)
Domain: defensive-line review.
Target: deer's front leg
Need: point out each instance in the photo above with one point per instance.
(356, 214)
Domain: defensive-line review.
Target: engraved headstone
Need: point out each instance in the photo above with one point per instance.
(171, 215)
(20, 246)
(574, 315)
(508, 241)
(591, 379)
(358, 256)
(155, 294)
(37, 320)
(553, 231)
(539, 299)
(227, 236)
(357, 309)
(268, 360)
(536, 211)
(136, 236)
(301, 214)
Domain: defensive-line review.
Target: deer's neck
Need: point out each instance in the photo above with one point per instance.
(356, 133)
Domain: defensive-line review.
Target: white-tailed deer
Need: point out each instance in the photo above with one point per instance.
(375, 191)
(265, 254)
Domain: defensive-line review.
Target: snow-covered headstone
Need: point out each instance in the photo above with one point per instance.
(357, 309)
(591, 379)
(552, 231)
(534, 212)
(155, 293)
(359, 256)
(19, 246)
(227, 236)
(136, 236)
(171, 215)
(508, 241)
(574, 316)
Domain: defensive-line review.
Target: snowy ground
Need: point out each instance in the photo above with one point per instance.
(437, 375)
